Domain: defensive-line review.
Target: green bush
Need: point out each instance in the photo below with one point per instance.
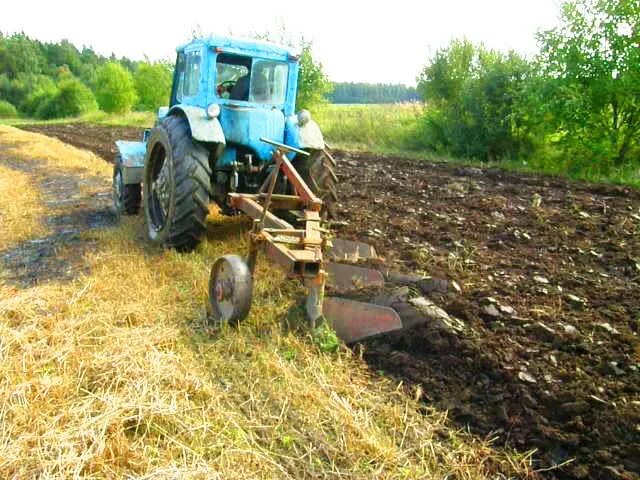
(115, 89)
(71, 99)
(7, 110)
(153, 85)
(590, 84)
(473, 96)
(41, 90)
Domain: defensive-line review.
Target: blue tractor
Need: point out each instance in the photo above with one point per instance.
(227, 95)
(231, 135)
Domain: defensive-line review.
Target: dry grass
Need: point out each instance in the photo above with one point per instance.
(20, 214)
(117, 375)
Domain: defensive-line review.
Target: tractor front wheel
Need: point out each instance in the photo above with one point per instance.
(177, 186)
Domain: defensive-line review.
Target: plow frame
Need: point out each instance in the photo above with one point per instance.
(297, 251)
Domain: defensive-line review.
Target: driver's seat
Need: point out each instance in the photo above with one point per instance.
(240, 91)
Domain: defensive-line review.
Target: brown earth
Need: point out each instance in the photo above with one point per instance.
(549, 295)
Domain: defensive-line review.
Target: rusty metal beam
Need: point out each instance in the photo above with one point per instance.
(254, 210)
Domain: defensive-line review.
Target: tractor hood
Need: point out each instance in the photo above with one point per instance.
(245, 126)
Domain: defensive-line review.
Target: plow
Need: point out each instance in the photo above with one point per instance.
(301, 253)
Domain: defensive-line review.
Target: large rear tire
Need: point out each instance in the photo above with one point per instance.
(177, 186)
(318, 170)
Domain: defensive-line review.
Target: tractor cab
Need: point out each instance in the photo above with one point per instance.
(248, 86)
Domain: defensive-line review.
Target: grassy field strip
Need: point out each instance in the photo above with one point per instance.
(21, 214)
(117, 374)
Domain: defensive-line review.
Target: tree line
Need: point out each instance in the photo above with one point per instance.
(347, 92)
(49, 80)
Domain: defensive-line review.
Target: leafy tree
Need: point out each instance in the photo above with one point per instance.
(41, 89)
(115, 89)
(591, 89)
(71, 99)
(153, 85)
(61, 54)
(313, 84)
(20, 54)
(473, 97)
(7, 110)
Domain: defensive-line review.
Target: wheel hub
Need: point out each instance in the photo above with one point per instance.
(223, 290)
(160, 188)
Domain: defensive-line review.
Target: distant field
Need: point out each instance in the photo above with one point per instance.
(377, 128)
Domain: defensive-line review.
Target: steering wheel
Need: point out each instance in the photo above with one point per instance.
(225, 86)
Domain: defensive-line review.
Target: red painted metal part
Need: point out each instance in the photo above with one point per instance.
(302, 189)
(354, 321)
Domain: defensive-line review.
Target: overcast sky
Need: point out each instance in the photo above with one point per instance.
(368, 41)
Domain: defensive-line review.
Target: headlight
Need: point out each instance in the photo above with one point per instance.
(213, 110)
(303, 117)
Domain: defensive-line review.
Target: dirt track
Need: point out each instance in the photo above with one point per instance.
(549, 273)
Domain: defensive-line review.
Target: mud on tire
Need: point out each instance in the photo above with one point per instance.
(177, 186)
(318, 170)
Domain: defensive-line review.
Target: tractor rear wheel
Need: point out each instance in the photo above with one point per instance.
(318, 170)
(126, 197)
(177, 186)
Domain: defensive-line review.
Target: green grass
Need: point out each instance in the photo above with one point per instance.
(373, 128)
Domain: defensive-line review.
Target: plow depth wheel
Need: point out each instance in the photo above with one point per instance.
(230, 289)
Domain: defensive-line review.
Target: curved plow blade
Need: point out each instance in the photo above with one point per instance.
(355, 321)
(344, 277)
(350, 251)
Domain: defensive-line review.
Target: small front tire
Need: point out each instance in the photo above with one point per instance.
(230, 290)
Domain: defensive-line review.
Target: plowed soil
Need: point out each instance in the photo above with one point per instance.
(544, 274)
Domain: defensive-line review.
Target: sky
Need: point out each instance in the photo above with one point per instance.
(356, 41)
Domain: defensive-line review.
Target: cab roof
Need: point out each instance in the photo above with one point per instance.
(243, 46)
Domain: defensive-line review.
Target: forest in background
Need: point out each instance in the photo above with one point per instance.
(53, 80)
(373, 93)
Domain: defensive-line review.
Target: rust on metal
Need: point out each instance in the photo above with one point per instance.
(345, 277)
(350, 251)
(354, 321)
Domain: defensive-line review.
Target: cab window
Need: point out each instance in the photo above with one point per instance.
(178, 80)
(192, 74)
(232, 76)
(268, 82)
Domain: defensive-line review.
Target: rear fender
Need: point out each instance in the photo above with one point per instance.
(203, 128)
(131, 160)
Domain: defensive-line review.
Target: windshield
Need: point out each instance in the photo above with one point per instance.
(268, 82)
(259, 81)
